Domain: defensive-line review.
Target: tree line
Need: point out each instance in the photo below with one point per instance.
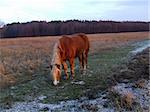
(53, 28)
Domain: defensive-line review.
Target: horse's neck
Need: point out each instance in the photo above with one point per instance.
(56, 55)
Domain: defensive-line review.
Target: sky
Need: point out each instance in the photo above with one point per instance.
(48, 10)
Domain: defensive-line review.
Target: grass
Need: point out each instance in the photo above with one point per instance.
(26, 65)
(100, 67)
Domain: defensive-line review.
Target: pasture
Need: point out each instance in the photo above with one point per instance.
(25, 74)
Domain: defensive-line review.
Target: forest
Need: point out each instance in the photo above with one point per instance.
(54, 28)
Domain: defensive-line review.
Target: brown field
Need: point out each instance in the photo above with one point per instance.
(102, 40)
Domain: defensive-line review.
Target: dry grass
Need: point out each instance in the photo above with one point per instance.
(124, 100)
(20, 63)
(100, 39)
(141, 83)
(127, 100)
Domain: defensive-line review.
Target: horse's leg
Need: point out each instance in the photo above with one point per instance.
(81, 62)
(84, 60)
(65, 69)
(72, 66)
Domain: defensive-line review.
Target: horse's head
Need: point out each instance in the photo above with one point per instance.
(56, 73)
(56, 65)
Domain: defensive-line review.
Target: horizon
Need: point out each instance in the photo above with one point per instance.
(62, 10)
(2, 24)
(72, 20)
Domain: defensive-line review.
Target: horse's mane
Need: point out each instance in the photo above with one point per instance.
(56, 55)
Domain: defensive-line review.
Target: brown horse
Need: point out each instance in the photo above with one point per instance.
(67, 48)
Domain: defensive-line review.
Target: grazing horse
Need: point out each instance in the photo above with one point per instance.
(67, 48)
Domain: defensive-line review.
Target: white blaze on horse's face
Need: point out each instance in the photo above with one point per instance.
(56, 65)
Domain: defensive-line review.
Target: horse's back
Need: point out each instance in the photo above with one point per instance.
(74, 44)
(81, 40)
(86, 40)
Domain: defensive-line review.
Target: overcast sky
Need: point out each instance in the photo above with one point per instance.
(47, 10)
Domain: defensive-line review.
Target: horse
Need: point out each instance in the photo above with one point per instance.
(67, 48)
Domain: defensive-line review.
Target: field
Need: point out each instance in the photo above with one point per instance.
(25, 75)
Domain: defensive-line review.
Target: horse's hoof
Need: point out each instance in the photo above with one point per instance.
(55, 83)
